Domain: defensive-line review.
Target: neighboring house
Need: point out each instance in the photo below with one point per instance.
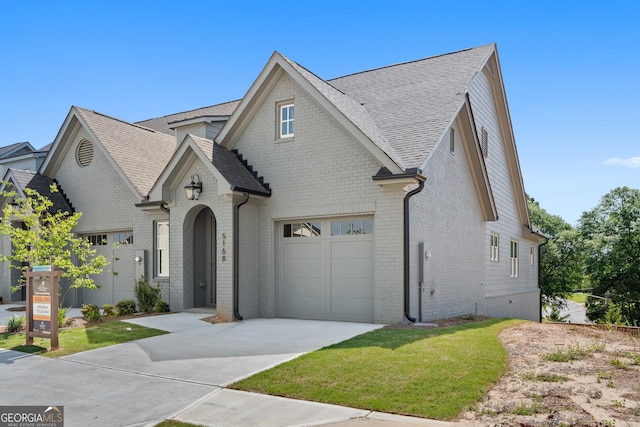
(389, 194)
(21, 155)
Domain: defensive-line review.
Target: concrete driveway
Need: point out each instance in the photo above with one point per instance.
(181, 374)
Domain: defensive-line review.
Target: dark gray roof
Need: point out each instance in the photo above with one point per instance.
(412, 103)
(17, 149)
(234, 169)
(42, 184)
(161, 124)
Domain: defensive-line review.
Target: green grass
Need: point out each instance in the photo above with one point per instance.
(85, 338)
(433, 373)
(579, 298)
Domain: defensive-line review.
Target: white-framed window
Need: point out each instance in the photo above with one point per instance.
(286, 115)
(452, 141)
(302, 229)
(162, 249)
(485, 142)
(494, 245)
(514, 258)
(531, 255)
(95, 239)
(352, 227)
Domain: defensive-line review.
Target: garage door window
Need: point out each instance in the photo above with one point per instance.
(352, 227)
(96, 239)
(302, 229)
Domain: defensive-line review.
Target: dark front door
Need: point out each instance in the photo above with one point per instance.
(204, 231)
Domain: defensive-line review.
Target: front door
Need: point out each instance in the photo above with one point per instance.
(204, 231)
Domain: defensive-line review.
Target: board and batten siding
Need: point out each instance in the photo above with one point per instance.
(322, 172)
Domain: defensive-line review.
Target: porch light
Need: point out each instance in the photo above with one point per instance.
(194, 188)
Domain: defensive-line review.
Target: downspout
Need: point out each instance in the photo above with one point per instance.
(407, 285)
(236, 256)
(540, 245)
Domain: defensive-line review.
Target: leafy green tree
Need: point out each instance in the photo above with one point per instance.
(561, 258)
(47, 238)
(612, 233)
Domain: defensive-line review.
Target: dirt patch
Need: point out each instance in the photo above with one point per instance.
(564, 375)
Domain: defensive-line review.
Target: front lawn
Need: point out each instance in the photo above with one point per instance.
(431, 373)
(75, 340)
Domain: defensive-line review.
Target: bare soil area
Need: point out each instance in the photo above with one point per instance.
(564, 375)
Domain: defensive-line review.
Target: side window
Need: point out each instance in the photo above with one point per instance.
(162, 249)
(286, 115)
(494, 245)
(514, 259)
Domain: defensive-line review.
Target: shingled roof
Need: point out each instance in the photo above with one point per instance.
(42, 184)
(413, 103)
(140, 153)
(161, 124)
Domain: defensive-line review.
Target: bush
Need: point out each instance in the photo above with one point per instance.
(91, 312)
(161, 307)
(109, 310)
(148, 296)
(15, 324)
(126, 306)
(62, 317)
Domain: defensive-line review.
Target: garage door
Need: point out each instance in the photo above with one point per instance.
(326, 269)
(113, 287)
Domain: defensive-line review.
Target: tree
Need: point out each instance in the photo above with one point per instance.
(561, 258)
(47, 238)
(612, 231)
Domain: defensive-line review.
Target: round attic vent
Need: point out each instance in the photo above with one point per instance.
(84, 153)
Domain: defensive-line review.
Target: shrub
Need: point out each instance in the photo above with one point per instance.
(147, 295)
(91, 312)
(62, 317)
(15, 324)
(109, 310)
(126, 306)
(161, 307)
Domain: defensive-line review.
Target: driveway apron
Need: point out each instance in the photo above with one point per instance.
(144, 381)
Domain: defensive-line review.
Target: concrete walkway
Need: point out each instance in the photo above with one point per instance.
(183, 375)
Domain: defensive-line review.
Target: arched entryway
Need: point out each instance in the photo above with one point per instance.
(200, 260)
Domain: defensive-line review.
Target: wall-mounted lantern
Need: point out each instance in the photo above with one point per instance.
(194, 188)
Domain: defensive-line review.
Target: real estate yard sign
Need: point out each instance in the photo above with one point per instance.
(42, 304)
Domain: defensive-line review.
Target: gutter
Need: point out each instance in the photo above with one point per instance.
(236, 256)
(407, 284)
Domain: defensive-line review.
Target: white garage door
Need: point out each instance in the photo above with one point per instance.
(326, 269)
(113, 287)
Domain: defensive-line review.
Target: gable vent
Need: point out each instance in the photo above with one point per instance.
(84, 153)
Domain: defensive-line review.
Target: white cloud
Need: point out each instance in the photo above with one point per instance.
(631, 162)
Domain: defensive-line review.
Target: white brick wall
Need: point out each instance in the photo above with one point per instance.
(321, 172)
(447, 217)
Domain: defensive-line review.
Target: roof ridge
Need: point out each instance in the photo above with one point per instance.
(409, 62)
(121, 121)
(188, 111)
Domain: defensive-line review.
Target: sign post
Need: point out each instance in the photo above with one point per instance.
(42, 303)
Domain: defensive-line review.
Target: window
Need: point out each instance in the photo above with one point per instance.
(162, 248)
(123, 238)
(485, 142)
(514, 258)
(96, 239)
(302, 229)
(286, 121)
(452, 140)
(351, 227)
(531, 256)
(494, 244)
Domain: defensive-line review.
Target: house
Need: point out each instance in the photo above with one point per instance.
(21, 155)
(386, 195)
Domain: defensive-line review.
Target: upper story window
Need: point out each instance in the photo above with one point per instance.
(494, 244)
(452, 140)
(286, 121)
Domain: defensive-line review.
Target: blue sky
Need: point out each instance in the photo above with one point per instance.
(571, 68)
